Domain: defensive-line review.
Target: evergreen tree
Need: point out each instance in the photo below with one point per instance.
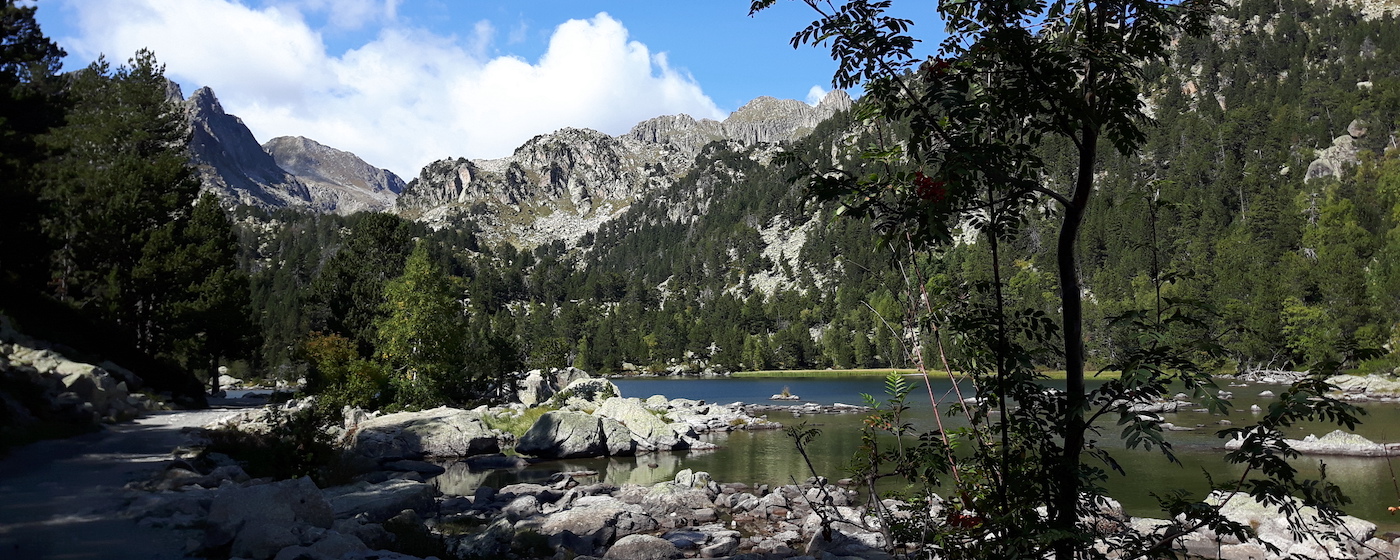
(30, 105)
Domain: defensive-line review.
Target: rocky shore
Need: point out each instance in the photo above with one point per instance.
(399, 515)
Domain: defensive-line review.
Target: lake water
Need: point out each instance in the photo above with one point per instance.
(768, 457)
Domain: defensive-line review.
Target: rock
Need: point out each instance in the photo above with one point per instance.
(642, 547)
(585, 393)
(538, 386)
(262, 539)
(563, 435)
(1357, 128)
(618, 438)
(592, 522)
(379, 502)
(1266, 394)
(440, 432)
(493, 542)
(723, 546)
(373, 535)
(1337, 443)
(521, 507)
(648, 430)
(1335, 160)
(331, 545)
(258, 520)
(1272, 527)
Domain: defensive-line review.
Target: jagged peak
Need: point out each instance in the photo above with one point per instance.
(203, 99)
(836, 100)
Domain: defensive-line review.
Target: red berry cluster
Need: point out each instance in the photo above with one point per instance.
(928, 188)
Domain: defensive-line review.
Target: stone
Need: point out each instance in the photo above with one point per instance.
(521, 508)
(618, 438)
(586, 393)
(642, 547)
(648, 430)
(723, 546)
(563, 435)
(331, 546)
(439, 432)
(373, 535)
(238, 515)
(492, 542)
(379, 502)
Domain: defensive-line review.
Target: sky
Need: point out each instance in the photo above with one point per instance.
(402, 83)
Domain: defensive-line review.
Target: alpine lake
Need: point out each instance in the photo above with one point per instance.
(770, 456)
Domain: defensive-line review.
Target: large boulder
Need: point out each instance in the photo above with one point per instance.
(1272, 527)
(586, 393)
(440, 432)
(642, 547)
(563, 435)
(538, 386)
(647, 427)
(594, 521)
(257, 521)
(380, 501)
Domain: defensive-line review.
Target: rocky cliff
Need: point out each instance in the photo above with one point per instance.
(338, 181)
(764, 119)
(555, 186)
(567, 183)
(230, 161)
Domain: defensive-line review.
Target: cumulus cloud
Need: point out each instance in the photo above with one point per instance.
(815, 95)
(408, 96)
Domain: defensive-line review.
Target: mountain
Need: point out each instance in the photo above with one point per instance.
(562, 185)
(338, 181)
(286, 172)
(230, 161)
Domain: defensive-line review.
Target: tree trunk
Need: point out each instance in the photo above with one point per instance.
(1066, 500)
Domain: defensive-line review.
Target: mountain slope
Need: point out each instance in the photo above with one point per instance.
(338, 181)
(230, 161)
(562, 185)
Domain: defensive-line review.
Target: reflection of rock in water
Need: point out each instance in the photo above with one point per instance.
(646, 469)
(459, 480)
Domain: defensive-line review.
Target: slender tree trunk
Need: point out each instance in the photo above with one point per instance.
(1066, 501)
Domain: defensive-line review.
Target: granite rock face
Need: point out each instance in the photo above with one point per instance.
(232, 164)
(338, 181)
(563, 185)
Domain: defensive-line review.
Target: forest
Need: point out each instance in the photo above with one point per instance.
(1219, 213)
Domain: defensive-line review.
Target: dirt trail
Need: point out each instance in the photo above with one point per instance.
(62, 498)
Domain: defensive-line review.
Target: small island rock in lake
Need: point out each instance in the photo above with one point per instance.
(1337, 443)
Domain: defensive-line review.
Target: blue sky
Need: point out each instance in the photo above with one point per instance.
(406, 82)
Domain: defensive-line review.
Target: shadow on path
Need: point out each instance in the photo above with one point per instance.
(64, 498)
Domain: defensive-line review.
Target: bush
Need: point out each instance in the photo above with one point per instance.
(296, 445)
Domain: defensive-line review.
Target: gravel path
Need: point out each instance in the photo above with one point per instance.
(62, 498)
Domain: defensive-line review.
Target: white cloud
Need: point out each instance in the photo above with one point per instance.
(815, 95)
(405, 98)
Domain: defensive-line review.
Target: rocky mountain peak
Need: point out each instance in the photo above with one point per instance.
(230, 161)
(338, 180)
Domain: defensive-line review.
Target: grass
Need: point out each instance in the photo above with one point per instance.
(1052, 374)
(516, 424)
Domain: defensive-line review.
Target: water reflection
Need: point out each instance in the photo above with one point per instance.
(769, 457)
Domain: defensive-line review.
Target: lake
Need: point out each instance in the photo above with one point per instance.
(769, 457)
